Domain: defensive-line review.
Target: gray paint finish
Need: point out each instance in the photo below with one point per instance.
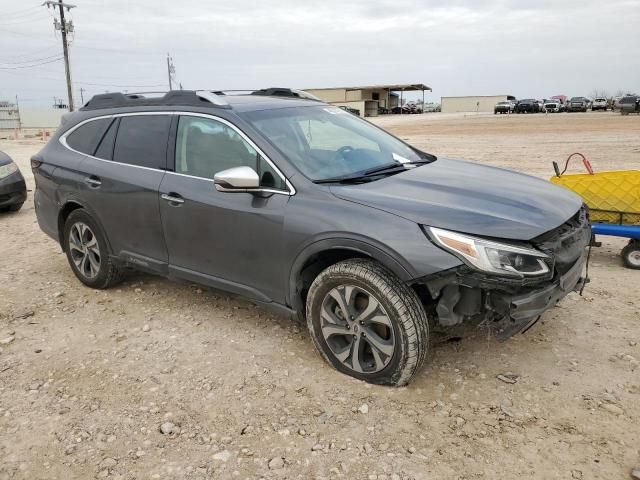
(470, 198)
(256, 244)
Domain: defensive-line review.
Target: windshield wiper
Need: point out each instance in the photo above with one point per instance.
(391, 168)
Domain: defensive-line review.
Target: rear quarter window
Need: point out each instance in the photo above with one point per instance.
(85, 138)
(142, 141)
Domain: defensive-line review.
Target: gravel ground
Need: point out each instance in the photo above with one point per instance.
(154, 379)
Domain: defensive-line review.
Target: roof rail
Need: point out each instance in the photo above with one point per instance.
(285, 92)
(139, 99)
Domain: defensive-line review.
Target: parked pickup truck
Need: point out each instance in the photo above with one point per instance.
(578, 104)
(553, 106)
(528, 105)
(504, 107)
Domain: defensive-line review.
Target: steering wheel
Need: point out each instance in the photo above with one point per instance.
(342, 150)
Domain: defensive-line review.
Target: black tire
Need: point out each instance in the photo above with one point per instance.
(631, 255)
(108, 272)
(406, 315)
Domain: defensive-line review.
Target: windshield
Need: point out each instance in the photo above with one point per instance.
(577, 99)
(325, 142)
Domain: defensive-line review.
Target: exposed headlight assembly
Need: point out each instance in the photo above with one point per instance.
(493, 257)
(8, 169)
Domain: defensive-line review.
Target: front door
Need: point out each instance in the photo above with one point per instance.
(230, 240)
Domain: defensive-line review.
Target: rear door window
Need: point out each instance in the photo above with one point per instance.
(85, 138)
(142, 140)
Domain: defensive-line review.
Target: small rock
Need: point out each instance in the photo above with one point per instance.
(146, 327)
(411, 450)
(364, 408)
(58, 294)
(317, 447)
(222, 456)
(635, 473)
(168, 428)
(7, 340)
(611, 408)
(108, 463)
(508, 377)
(276, 463)
(577, 474)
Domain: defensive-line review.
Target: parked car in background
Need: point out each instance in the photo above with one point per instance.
(311, 212)
(13, 190)
(561, 98)
(578, 104)
(629, 104)
(553, 106)
(600, 104)
(504, 107)
(528, 105)
(431, 107)
(351, 110)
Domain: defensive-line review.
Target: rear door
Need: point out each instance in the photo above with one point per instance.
(122, 179)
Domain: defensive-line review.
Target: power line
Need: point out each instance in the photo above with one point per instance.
(119, 86)
(31, 66)
(20, 13)
(57, 55)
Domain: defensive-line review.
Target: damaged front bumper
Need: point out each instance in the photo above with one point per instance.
(511, 305)
(525, 309)
(507, 306)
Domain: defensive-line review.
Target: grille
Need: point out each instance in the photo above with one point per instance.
(567, 242)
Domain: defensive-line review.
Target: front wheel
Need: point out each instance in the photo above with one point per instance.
(366, 323)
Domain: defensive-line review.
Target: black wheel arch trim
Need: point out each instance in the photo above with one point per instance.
(387, 258)
(90, 211)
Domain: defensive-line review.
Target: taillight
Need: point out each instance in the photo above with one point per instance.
(35, 163)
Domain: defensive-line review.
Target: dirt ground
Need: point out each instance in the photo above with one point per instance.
(89, 380)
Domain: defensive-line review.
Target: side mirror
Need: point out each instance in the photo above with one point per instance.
(237, 179)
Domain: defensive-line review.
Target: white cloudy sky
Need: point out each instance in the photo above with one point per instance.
(528, 48)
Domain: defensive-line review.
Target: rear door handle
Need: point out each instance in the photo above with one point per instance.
(172, 198)
(93, 181)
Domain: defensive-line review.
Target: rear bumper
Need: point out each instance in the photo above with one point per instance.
(13, 190)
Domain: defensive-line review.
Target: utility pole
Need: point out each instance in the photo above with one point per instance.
(171, 70)
(82, 95)
(64, 27)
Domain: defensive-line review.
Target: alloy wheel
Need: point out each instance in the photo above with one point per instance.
(84, 249)
(357, 329)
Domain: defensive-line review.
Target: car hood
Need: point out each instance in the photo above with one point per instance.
(470, 198)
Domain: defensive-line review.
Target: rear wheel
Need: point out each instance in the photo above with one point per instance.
(631, 255)
(366, 323)
(87, 251)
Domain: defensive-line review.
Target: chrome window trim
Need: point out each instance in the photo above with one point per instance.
(291, 189)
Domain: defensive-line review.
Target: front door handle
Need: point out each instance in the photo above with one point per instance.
(172, 198)
(93, 181)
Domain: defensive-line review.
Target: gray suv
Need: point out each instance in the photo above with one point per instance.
(304, 208)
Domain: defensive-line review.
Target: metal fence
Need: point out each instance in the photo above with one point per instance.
(9, 116)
